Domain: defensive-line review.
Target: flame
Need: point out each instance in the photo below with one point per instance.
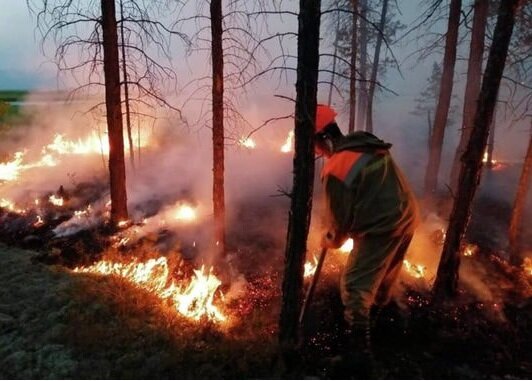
(57, 201)
(288, 145)
(123, 223)
(10, 205)
(185, 213)
(10, 171)
(485, 159)
(347, 246)
(79, 214)
(416, 271)
(194, 301)
(527, 266)
(310, 267)
(38, 222)
(247, 142)
(469, 250)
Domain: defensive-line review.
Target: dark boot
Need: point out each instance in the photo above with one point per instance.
(363, 362)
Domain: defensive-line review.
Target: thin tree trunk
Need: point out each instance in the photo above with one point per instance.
(519, 205)
(444, 100)
(301, 196)
(218, 193)
(474, 75)
(363, 67)
(491, 140)
(375, 68)
(337, 32)
(447, 277)
(352, 77)
(429, 124)
(111, 67)
(126, 90)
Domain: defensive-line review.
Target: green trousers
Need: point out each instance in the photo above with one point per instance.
(371, 270)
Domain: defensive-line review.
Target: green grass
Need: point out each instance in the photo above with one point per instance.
(12, 95)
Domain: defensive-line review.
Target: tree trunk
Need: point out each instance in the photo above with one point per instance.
(474, 75)
(374, 70)
(491, 140)
(363, 66)
(429, 124)
(301, 196)
(352, 77)
(336, 35)
(218, 195)
(444, 100)
(111, 68)
(519, 205)
(126, 90)
(447, 277)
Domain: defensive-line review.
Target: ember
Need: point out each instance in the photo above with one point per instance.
(194, 301)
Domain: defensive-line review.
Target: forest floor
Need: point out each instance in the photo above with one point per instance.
(58, 324)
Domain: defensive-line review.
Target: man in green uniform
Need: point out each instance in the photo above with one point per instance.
(369, 200)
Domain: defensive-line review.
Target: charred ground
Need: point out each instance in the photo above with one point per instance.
(58, 324)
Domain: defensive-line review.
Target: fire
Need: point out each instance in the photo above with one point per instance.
(310, 267)
(247, 142)
(92, 144)
(38, 222)
(485, 159)
(347, 246)
(527, 266)
(57, 201)
(416, 271)
(10, 171)
(470, 250)
(186, 213)
(10, 205)
(194, 301)
(289, 143)
(79, 214)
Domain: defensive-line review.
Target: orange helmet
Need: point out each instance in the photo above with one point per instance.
(324, 116)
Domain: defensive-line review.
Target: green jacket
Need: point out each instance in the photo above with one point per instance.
(365, 191)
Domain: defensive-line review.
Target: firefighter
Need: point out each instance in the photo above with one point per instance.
(367, 198)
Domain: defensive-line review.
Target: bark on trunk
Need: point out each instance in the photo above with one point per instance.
(447, 277)
(363, 66)
(218, 193)
(336, 35)
(474, 75)
(519, 205)
(375, 68)
(491, 140)
(444, 100)
(111, 67)
(352, 77)
(429, 125)
(301, 196)
(126, 90)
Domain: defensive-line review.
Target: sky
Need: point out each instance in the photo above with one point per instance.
(24, 66)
